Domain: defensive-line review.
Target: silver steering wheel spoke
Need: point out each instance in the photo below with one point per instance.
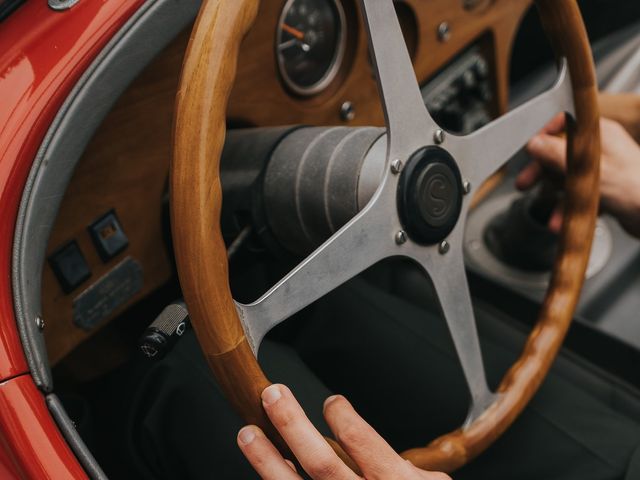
(361, 243)
(407, 118)
(449, 278)
(482, 153)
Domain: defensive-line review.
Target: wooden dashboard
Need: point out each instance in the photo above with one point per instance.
(125, 167)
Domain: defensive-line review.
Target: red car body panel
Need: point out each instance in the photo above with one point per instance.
(43, 53)
(30, 438)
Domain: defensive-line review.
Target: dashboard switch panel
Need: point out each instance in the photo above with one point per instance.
(108, 236)
(460, 98)
(70, 267)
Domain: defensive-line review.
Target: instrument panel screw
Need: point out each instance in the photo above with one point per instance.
(396, 166)
(39, 323)
(444, 32)
(438, 136)
(444, 247)
(401, 237)
(347, 112)
(466, 187)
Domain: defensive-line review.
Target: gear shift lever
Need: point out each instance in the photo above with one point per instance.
(520, 236)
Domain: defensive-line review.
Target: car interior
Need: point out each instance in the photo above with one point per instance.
(95, 229)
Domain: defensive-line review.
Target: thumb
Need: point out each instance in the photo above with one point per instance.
(550, 151)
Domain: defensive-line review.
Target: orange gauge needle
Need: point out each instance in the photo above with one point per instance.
(293, 31)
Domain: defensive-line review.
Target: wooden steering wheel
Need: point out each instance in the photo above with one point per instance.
(230, 333)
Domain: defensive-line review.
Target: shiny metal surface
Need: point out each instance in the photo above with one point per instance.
(482, 153)
(62, 4)
(396, 166)
(347, 111)
(444, 32)
(408, 121)
(479, 258)
(372, 234)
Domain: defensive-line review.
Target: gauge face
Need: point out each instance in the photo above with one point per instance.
(310, 44)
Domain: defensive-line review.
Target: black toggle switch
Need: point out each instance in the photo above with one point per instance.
(70, 267)
(108, 236)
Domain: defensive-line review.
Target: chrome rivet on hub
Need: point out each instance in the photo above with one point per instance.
(438, 136)
(40, 323)
(401, 237)
(466, 187)
(396, 166)
(444, 247)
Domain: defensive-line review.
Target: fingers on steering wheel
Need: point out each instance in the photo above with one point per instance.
(550, 151)
(363, 444)
(313, 452)
(556, 126)
(263, 455)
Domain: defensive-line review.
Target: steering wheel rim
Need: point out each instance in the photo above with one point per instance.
(196, 204)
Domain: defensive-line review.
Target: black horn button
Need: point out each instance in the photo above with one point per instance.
(430, 195)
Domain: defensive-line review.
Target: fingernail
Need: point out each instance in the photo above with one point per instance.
(246, 435)
(330, 400)
(271, 395)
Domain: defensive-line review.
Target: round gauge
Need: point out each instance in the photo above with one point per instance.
(310, 44)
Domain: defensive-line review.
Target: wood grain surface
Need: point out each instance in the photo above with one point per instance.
(260, 98)
(126, 164)
(196, 201)
(202, 265)
(125, 167)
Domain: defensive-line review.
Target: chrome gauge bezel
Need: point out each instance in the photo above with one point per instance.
(336, 63)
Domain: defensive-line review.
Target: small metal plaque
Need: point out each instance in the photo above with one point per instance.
(102, 298)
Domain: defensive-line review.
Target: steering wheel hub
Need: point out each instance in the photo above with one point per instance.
(430, 195)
